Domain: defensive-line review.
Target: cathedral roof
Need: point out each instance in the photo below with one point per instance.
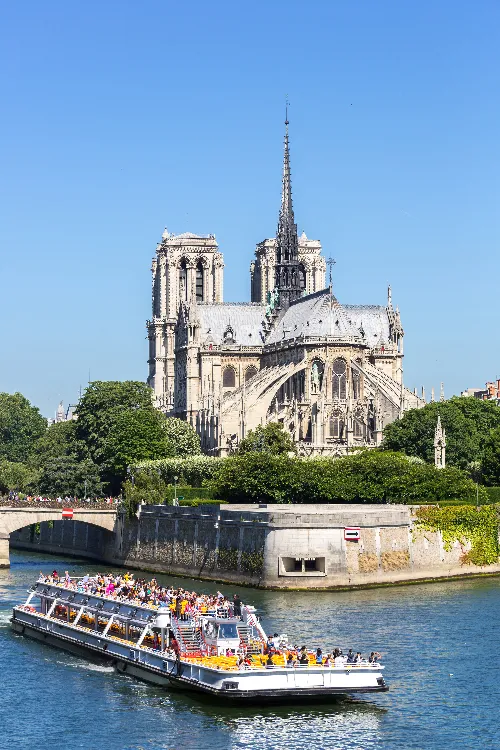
(244, 320)
(319, 315)
(372, 319)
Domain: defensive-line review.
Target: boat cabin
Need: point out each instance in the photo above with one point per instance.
(221, 634)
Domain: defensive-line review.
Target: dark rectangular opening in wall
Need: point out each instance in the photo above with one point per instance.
(302, 566)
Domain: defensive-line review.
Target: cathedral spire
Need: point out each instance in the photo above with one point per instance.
(287, 279)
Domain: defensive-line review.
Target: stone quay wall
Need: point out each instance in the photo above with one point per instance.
(272, 546)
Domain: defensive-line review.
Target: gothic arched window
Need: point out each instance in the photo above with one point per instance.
(250, 372)
(356, 384)
(229, 378)
(302, 277)
(358, 428)
(183, 281)
(199, 281)
(337, 427)
(339, 379)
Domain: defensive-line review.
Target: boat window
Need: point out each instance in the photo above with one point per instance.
(228, 630)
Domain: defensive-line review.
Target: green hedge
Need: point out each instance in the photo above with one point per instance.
(194, 502)
(189, 493)
(493, 494)
(191, 470)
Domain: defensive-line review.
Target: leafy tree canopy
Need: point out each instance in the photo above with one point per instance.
(18, 476)
(181, 439)
(101, 401)
(68, 476)
(271, 438)
(491, 458)
(20, 425)
(467, 422)
(58, 441)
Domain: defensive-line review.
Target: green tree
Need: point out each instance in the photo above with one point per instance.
(68, 476)
(181, 439)
(467, 422)
(99, 405)
(21, 424)
(490, 466)
(58, 441)
(132, 435)
(18, 476)
(271, 438)
(255, 476)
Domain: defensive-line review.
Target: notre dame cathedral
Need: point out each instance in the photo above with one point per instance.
(331, 373)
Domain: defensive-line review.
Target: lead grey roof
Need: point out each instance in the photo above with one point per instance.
(373, 319)
(316, 315)
(244, 318)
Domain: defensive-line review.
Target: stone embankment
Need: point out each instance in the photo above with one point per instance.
(272, 546)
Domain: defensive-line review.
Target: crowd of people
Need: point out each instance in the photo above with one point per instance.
(185, 605)
(14, 499)
(190, 606)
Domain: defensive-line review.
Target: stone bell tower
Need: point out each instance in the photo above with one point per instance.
(187, 266)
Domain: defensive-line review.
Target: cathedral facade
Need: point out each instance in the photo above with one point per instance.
(331, 373)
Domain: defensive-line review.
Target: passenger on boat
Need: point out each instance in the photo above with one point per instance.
(339, 661)
(374, 657)
(303, 657)
(351, 657)
(328, 661)
(319, 656)
(269, 662)
(237, 605)
(359, 658)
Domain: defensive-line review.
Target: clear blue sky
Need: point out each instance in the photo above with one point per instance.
(121, 118)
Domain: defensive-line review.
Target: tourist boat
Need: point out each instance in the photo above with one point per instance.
(137, 639)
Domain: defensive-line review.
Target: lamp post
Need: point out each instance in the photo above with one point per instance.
(175, 490)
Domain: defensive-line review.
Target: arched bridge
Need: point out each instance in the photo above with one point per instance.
(13, 518)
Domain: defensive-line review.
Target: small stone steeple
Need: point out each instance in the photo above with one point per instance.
(287, 279)
(439, 445)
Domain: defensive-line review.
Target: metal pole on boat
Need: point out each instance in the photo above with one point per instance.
(52, 607)
(110, 621)
(80, 613)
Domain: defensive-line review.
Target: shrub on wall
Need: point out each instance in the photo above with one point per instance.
(465, 524)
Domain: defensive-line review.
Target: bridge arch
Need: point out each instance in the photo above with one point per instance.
(13, 519)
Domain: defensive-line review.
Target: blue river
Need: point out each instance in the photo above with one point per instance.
(440, 647)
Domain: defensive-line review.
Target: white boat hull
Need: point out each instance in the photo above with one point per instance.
(277, 685)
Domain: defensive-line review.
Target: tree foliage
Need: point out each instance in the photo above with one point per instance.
(366, 477)
(190, 470)
(490, 467)
(17, 476)
(467, 422)
(58, 441)
(120, 426)
(20, 425)
(69, 476)
(180, 438)
(271, 438)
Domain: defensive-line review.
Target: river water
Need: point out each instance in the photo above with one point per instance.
(440, 645)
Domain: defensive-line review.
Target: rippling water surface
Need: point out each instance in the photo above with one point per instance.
(440, 645)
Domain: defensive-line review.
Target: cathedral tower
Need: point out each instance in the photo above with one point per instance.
(186, 266)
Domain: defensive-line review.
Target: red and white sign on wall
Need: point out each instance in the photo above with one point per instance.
(67, 513)
(352, 533)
